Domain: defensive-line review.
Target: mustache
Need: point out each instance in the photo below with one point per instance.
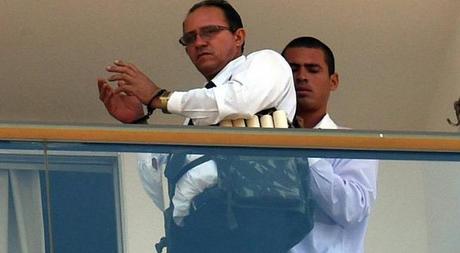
(201, 51)
(303, 86)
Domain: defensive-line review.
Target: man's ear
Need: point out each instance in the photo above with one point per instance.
(334, 81)
(240, 36)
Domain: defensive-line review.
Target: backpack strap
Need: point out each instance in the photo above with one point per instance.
(174, 170)
(176, 167)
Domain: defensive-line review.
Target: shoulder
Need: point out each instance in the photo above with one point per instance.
(268, 58)
(268, 53)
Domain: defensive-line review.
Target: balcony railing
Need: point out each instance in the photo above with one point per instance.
(76, 188)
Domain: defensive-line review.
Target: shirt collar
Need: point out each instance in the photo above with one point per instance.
(326, 123)
(226, 73)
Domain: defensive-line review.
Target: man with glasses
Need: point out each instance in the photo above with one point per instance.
(343, 189)
(238, 86)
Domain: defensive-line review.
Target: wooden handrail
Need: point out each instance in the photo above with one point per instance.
(214, 136)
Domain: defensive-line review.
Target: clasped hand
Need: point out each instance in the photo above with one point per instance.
(133, 89)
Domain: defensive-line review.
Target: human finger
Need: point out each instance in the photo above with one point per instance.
(100, 84)
(132, 67)
(104, 88)
(121, 82)
(124, 89)
(119, 63)
(120, 77)
(106, 94)
(128, 65)
(121, 69)
(107, 98)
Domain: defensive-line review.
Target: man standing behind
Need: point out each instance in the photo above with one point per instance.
(344, 189)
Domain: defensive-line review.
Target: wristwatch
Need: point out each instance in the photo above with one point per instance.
(164, 98)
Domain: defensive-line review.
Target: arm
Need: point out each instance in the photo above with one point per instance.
(151, 168)
(345, 189)
(263, 81)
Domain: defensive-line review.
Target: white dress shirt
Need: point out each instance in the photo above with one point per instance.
(345, 191)
(246, 86)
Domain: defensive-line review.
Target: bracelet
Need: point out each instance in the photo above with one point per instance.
(164, 101)
(143, 119)
(158, 94)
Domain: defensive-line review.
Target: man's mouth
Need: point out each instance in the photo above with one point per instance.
(203, 54)
(303, 92)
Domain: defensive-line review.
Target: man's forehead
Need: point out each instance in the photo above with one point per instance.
(204, 16)
(304, 55)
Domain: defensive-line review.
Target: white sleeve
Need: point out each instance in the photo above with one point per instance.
(192, 183)
(151, 167)
(263, 81)
(345, 189)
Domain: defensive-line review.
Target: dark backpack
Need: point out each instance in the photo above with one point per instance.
(259, 204)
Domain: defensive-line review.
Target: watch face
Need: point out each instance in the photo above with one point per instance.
(164, 98)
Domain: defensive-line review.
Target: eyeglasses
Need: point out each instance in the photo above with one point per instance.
(206, 33)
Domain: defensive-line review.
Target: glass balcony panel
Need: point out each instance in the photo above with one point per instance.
(416, 205)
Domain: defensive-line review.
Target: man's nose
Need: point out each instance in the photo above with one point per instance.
(302, 74)
(199, 41)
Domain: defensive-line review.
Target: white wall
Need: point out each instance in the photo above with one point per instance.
(441, 182)
(418, 202)
(398, 223)
(391, 55)
(442, 189)
(446, 89)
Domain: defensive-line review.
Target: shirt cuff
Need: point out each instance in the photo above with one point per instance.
(175, 102)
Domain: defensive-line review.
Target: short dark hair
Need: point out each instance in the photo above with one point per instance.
(311, 42)
(233, 17)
